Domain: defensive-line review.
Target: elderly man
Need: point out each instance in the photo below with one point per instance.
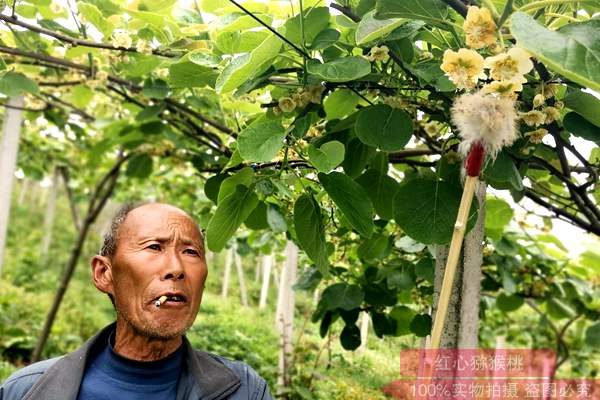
(153, 268)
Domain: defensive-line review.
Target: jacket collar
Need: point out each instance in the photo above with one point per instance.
(211, 379)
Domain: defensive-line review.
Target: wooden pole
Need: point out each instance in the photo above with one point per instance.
(241, 279)
(264, 290)
(453, 256)
(49, 217)
(9, 148)
(227, 272)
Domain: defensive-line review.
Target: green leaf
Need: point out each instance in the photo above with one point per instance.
(315, 21)
(592, 335)
(381, 189)
(81, 95)
(581, 127)
(384, 127)
(276, 219)
(14, 84)
(261, 140)
(342, 295)
(357, 157)
(352, 200)
(240, 42)
(325, 38)
(340, 103)
(373, 248)
(155, 89)
(248, 66)
(341, 69)
(584, 104)
(350, 337)
(425, 269)
(508, 303)
(327, 157)
(573, 51)
(257, 219)
(503, 173)
(139, 166)
(370, 29)
(498, 214)
(212, 186)
(433, 11)
(243, 177)
(557, 308)
(403, 316)
(231, 212)
(186, 74)
(426, 210)
(382, 325)
(421, 325)
(91, 13)
(310, 231)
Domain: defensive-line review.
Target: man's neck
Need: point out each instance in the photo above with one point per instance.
(131, 344)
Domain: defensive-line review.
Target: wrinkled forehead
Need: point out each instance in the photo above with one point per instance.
(160, 220)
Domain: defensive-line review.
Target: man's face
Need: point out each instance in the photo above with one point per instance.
(159, 252)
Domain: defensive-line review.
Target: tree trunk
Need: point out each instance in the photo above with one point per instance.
(241, 279)
(101, 194)
(462, 323)
(264, 290)
(9, 148)
(285, 317)
(49, 217)
(227, 272)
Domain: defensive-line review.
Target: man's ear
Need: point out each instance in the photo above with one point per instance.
(102, 274)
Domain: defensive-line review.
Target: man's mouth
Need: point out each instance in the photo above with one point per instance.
(169, 298)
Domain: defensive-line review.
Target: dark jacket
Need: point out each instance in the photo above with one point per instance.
(204, 376)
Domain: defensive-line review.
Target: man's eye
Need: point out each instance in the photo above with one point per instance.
(191, 251)
(154, 247)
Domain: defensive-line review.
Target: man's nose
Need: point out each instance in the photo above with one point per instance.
(173, 267)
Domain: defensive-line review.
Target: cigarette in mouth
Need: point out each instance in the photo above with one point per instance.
(161, 300)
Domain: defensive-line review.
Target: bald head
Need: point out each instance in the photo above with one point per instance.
(133, 215)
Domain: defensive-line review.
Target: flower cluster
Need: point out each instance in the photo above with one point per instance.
(143, 46)
(121, 39)
(299, 99)
(378, 53)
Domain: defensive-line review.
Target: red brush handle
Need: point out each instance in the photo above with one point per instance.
(474, 159)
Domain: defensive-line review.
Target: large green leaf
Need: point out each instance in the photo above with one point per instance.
(231, 212)
(426, 210)
(573, 51)
(592, 335)
(310, 231)
(326, 157)
(342, 295)
(502, 173)
(139, 166)
(261, 140)
(15, 84)
(243, 177)
(381, 189)
(370, 29)
(249, 65)
(433, 11)
(187, 74)
(384, 127)
(584, 104)
(352, 200)
(341, 69)
(509, 303)
(498, 213)
(315, 20)
(581, 127)
(340, 103)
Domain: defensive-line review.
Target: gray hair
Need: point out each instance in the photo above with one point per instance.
(111, 238)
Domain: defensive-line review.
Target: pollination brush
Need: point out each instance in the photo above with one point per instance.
(486, 123)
